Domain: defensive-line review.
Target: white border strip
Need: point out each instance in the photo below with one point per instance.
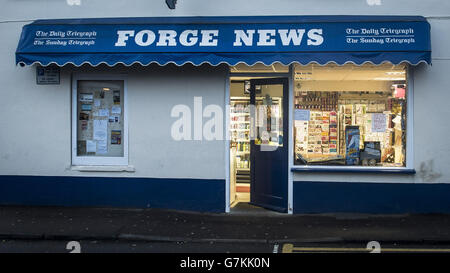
(205, 62)
(410, 118)
(227, 141)
(290, 112)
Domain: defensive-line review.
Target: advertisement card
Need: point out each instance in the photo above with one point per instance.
(91, 146)
(102, 147)
(116, 97)
(378, 123)
(103, 112)
(86, 97)
(116, 110)
(84, 116)
(86, 107)
(116, 137)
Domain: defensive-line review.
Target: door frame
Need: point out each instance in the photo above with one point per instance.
(290, 113)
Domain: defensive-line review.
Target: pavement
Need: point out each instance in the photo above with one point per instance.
(242, 225)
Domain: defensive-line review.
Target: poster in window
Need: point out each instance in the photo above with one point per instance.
(84, 116)
(100, 129)
(300, 114)
(91, 146)
(102, 147)
(86, 107)
(116, 97)
(116, 137)
(116, 110)
(246, 87)
(86, 97)
(378, 123)
(81, 147)
(84, 125)
(103, 112)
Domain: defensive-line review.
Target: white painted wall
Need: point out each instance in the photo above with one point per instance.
(35, 120)
(37, 134)
(34, 9)
(36, 124)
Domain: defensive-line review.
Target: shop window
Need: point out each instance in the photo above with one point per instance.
(350, 115)
(99, 125)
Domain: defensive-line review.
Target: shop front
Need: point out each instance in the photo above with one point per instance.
(204, 113)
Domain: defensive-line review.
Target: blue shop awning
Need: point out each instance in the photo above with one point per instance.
(230, 40)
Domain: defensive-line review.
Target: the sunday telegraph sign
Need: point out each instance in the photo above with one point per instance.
(305, 37)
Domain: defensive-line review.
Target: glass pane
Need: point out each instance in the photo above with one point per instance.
(350, 115)
(100, 119)
(269, 114)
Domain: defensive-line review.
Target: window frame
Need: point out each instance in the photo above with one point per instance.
(409, 166)
(98, 160)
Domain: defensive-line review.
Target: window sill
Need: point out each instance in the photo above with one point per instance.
(103, 168)
(352, 169)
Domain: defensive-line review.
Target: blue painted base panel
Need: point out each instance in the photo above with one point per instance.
(381, 198)
(183, 194)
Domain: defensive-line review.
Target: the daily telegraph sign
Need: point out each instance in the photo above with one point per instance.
(228, 37)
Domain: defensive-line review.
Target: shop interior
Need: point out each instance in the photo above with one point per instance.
(239, 143)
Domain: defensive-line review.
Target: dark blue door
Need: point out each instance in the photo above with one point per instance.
(269, 145)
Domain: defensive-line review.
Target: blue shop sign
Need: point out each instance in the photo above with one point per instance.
(230, 40)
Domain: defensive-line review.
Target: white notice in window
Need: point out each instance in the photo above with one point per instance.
(86, 97)
(100, 129)
(103, 112)
(102, 147)
(378, 123)
(116, 110)
(91, 146)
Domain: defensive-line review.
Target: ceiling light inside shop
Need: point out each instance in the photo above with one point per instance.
(395, 72)
(389, 79)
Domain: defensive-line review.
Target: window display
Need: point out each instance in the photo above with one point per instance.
(350, 115)
(100, 123)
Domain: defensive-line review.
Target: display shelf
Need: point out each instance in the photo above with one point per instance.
(240, 121)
